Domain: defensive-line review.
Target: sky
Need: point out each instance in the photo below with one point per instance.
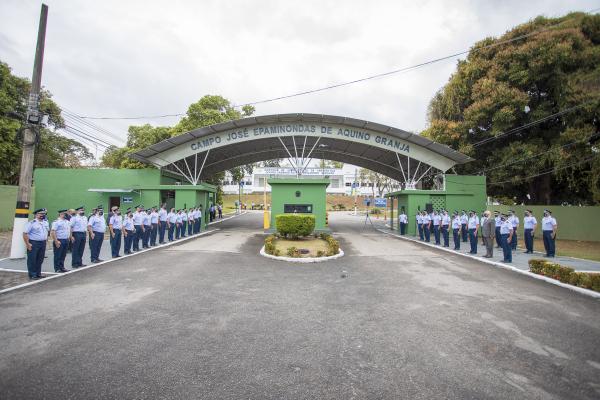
(114, 58)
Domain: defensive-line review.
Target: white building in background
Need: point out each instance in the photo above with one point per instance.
(340, 180)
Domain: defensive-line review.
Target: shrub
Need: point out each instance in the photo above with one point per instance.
(565, 274)
(293, 252)
(341, 207)
(320, 253)
(333, 246)
(295, 225)
(277, 252)
(270, 244)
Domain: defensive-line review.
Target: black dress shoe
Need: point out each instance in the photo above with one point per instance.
(99, 260)
(64, 270)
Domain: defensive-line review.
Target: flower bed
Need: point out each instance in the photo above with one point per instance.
(319, 245)
(564, 274)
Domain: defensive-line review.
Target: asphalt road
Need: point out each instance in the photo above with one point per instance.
(210, 318)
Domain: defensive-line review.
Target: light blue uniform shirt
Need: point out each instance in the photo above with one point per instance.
(445, 220)
(162, 215)
(436, 219)
(97, 223)
(137, 218)
(172, 217)
(514, 220)
(79, 223)
(456, 222)
(116, 221)
(529, 222)
(36, 230)
(146, 219)
(548, 223)
(62, 227)
(154, 217)
(473, 222)
(506, 227)
(128, 224)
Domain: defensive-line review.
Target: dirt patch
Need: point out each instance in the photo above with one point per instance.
(311, 244)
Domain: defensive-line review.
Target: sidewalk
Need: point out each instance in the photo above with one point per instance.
(20, 264)
(520, 259)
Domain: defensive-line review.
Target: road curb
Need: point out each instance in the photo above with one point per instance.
(300, 260)
(577, 289)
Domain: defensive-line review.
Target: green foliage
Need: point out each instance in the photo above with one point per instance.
(548, 72)
(333, 246)
(565, 274)
(270, 244)
(320, 253)
(295, 225)
(293, 252)
(53, 150)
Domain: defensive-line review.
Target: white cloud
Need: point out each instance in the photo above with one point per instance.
(116, 58)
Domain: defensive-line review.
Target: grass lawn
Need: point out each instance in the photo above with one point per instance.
(312, 244)
(570, 248)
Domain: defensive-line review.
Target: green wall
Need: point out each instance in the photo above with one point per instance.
(8, 201)
(312, 191)
(574, 223)
(462, 192)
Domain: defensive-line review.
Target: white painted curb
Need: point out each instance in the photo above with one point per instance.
(54, 275)
(304, 260)
(577, 289)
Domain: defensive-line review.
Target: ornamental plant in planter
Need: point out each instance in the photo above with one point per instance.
(295, 238)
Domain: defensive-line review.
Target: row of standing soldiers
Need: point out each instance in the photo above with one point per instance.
(72, 228)
(502, 229)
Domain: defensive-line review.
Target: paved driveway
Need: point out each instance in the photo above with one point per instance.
(211, 319)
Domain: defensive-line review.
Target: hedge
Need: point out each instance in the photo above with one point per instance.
(565, 274)
(333, 246)
(295, 225)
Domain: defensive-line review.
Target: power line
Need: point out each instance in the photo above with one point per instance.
(530, 124)
(546, 172)
(90, 137)
(95, 127)
(363, 79)
(84, 137)
(100, 136)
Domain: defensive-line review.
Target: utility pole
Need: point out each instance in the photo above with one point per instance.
(17, 249)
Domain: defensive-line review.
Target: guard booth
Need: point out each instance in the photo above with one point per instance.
(300, 196)
(460, 192)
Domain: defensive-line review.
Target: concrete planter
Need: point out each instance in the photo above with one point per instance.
(301, 259)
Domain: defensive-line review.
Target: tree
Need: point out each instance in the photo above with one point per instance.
(53, 150)
(500, 88)
(379, 182)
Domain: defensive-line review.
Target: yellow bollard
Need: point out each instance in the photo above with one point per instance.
(266, 219)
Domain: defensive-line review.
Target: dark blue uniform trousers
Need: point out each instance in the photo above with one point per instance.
(403, 228)
(427, 233)
(473, 241)
(60, 253)
(146, 236)
(137, 237)
(420, 228)
(436, 233)
(128, 241)
(456, 237)
(513, 243)
(464, 231)
(446, 235)
(549, 243)
(191, 227)
(96, 245)
(183, 228)
(35, 257)
(171, 230)
(498, 239)
(78, 248)
(162, 227)
(506, 249)
(115, 243)
(528, 237)
(153, 234)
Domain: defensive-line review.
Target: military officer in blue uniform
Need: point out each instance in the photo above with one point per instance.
(35, 236)
(78, 236)
(498, 222)
(445, 228)
(549, 228)
(529, 225)
(162, 220)
(115, 226)
(191, 221)
(436, 221)
(473, 225)
(61, 237)
(128, 232)
(420, 226)
(171, 223)
(96, 229)
(512, 217)
(402, 222)
(146, 221)
(456, 226)
(506, 233)
(426, 226)
(138, 220)
(154, 225)
(464, 221)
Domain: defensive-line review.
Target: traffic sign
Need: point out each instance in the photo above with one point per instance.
(380, 202)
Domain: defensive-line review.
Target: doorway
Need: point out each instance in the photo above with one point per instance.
(114, 201)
